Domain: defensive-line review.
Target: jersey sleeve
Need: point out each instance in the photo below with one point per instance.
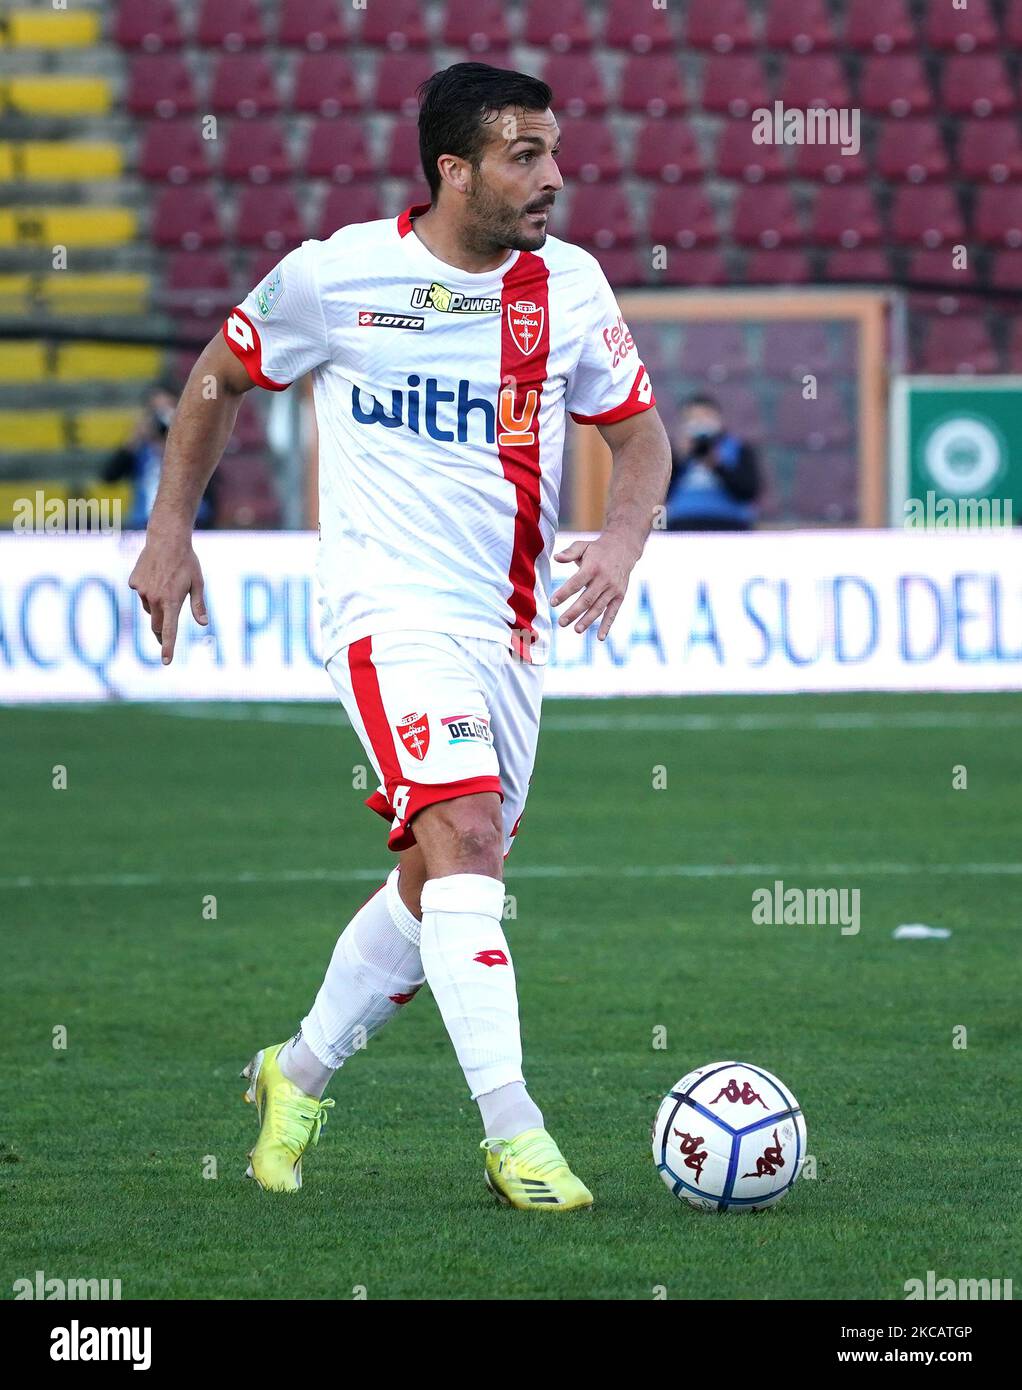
(609, 383)
(278, 332)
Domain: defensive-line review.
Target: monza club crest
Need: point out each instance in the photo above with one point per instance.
(525, 320)
(413, 731)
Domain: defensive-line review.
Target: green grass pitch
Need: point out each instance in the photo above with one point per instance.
(633, 915)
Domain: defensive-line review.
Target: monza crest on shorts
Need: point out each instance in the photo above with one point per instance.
(413, 731)
(525, 320)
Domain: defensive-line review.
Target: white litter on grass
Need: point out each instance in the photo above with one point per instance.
(918, 931)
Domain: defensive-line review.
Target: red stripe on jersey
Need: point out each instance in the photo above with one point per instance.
(241, 337)
(404, 221)
(365, 686)
(639, 398)
(524, 348)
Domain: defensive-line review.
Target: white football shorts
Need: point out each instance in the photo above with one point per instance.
(441, 717)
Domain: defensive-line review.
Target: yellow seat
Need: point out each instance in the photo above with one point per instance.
(51, 161)
(58, 96)
(32, 29)
(121, 493)
(15, 294)
(66, 226)
(25, 501)
(107, 362)
(7, 163)
(25, 431)
(104, 428)
(23, 361)
(68, 293)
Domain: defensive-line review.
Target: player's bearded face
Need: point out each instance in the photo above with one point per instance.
(510, 197)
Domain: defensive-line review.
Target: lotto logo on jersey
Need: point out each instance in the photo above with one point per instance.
(377, 318)
(240, 331)
(525, 320)
(465, 728)
(413, 731)
(619, 341)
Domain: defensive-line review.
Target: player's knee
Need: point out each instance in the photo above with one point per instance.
(466, 836)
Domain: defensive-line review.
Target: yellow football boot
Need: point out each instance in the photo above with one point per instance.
(289, 1121)
(530, 1173)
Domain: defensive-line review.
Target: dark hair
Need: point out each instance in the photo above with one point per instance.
(454, 103)
(708, 401)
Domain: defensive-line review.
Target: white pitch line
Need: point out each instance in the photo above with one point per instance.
(536, 871)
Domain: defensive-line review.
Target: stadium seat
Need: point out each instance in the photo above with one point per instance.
(1006, 272)
(402, 159)
(990, 150)
(811, 424)
(1013, 23)
(998, 215)
(739, 157)
(911, 150)
(397, 78)
(930, 215)
(148, 24)
(95, 293)
(343, 206)
(174, 151)
(35, 431)
(895, 85)
(829, 164)
(187, 217)
(245, 495)
(734, 84)
(476, 25)
(325, 83)
(91, 361)
(861, 264)
(199, 281)
(557, 25)
(719, 25)
(693, 268)
(977, 84)
(802, 25)
(397, 25)
(61, 161)
(622, 265)
(814, 80)
(160, 85)
(337, 150)
(742, 409)
(958, 344)
(681, 216)
(846, 216)
(230, 24)
(788, 267)
(269, 216)
(590, 151)
(25, 28)
(601, 215)
(654, 84)
(256, 150)
(825, 486)
(577, 84)
(312, 24)
(57, 96)
(766, 217)
(936, 266)
(66, 226)
(249, 433)
(793, 347)
(244, 84)
(666, 150)
(961, 30)
(103, 427)
(714, 350)
(879, 28)
(643, 31)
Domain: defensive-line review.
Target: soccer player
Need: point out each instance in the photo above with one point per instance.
(445, 346)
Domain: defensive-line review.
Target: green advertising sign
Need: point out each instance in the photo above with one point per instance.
(956, 451)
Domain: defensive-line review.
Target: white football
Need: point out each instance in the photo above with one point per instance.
(729, 1137)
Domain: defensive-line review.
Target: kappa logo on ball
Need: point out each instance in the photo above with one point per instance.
(413, 731)
(525, 320)
(491, 958)
(746, 1094)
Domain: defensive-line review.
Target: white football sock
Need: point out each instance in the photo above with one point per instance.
(466, 960)
(509, 1111)
(375, 968)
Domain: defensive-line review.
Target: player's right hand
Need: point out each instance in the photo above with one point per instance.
(164, 575)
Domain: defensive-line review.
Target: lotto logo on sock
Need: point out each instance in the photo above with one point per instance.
(491, 958)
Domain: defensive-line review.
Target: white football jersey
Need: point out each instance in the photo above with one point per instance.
(440, 399)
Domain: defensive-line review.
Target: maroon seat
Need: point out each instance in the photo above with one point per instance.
(895, 85)
(879, 28)
(1006, 273)
(245, 495)
(402, 157)
(719, 25)
(742, 409)
(198, 282)
(337, 150)
(682, 216)
(802, 25)
(622, 265)
(256, 150)
(148, 24)
(174, 151)
(667, 150)
(477, 25)
(815, 80)
(577, 85)
(397, 25)
(654, 84)
(312, 24)
(734, 84)
(602, 215)
(929, 215)
(912, 150)
(714, 350)
(861, 264)
(700, 267)
(645, 30)
(786, 267)
(793, 347)
(590, 152)
(998, 215)
(957, 344)
(812, 424)
(990, 150)
(825, 486)
(961, 30)
(739, 157)
(244, 84)
(558, 25)
(160, 85)
(398, 77)
(325, 83)
(344, 206)
(766, 217)
(1013, 23)
(230, 24)
(977, 84)
(187, 217)
(936, 266)
(829, 164)
(249, 433)
(269, 216)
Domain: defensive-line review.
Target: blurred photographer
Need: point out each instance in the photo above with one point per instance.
(714, 475)
(140, 460)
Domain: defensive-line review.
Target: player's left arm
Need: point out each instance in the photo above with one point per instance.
(638, 485)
